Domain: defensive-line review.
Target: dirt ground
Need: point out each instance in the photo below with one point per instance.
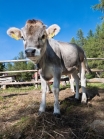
(19, 117)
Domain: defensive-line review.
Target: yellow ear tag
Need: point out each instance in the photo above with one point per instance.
(51, 35)
(15, 37)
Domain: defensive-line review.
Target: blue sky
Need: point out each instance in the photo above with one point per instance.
(70, 15)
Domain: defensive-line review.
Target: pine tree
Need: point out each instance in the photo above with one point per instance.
(73, 40)
(2, 67)
(100, 7)
(90, 34)
(97, 31)
(80, 38)
(9, 67)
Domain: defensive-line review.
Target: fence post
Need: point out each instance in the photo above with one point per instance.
(3, 87)
(36, 79)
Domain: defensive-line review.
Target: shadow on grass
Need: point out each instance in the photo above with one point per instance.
(92, 92)
(12, 95)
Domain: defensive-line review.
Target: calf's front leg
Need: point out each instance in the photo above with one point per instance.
(55, 90)
(43, 99)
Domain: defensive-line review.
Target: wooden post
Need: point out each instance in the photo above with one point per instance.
(4, 87)
(95, 80)
(36, 79)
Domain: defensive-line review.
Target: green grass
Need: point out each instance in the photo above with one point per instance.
(96, 85)
(18, 89)
(89, 76)
(18, 127)
(22, 121)
(64, 87)
(29, 88)
(1, 98)
(4, 107)
(89, 85)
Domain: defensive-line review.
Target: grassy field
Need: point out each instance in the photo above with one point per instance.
(19, 117)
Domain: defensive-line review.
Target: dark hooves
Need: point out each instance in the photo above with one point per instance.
(77, 100)
(83, 103)
(57, 115)
(40, 113)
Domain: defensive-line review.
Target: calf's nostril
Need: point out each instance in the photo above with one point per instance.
(30, 52)
(33, 51)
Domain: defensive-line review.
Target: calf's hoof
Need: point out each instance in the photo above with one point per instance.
(57, 115)
(77, 100)
(40, 113)
(84, 102)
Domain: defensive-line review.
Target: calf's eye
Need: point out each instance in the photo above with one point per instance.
(22, 38)
(43, 37)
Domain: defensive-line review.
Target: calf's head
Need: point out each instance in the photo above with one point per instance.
(34, 35)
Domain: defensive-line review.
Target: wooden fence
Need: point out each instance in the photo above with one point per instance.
(36, 81)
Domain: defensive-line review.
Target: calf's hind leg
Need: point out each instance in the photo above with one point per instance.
(76, 78)
(71, 80)
(83, 83)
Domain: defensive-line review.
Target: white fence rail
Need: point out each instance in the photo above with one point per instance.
(36, 81)
(25, 60)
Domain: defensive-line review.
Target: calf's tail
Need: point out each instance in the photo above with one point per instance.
(87, 66)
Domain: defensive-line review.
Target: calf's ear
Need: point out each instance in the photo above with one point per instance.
(14, 33)
(52, 30)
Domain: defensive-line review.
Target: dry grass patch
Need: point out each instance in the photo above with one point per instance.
(19, 117)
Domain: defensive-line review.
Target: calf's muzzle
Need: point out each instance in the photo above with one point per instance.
(30, 52)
